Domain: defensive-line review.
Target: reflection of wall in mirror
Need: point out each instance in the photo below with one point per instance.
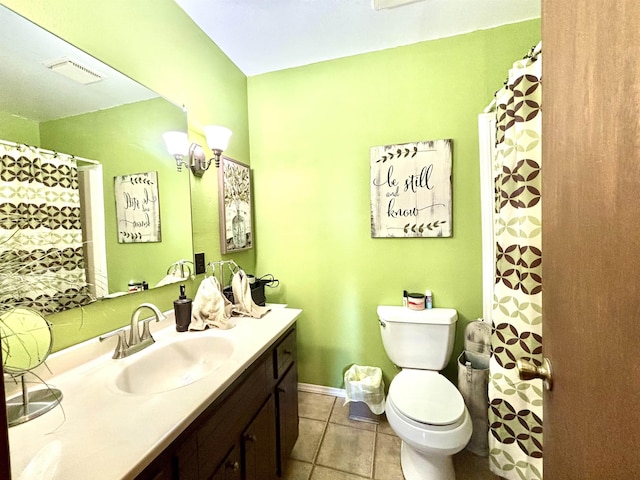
(128, 139)
(19, 129)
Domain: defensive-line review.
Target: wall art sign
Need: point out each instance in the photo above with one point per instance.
(411, 189)
(138, 207)
(234, 204)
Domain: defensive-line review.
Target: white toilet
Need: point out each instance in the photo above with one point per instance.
(425, 409)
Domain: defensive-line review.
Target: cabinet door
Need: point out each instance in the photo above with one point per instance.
(284, 354)
(287, 415)
(230, 468)
(162, 468)
(259, 444)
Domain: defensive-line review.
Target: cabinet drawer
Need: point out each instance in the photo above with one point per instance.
(284, 354)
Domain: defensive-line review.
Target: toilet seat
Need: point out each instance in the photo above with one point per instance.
(426, 397)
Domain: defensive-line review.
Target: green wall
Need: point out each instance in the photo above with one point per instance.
(311, 130)
(157, 44)
(19, 129)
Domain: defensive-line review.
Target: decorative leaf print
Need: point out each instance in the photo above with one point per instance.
(515, 413)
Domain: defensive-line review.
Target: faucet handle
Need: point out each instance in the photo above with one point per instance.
(146, 333)
(121, 346)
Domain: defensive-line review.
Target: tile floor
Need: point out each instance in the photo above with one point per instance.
(332, 447)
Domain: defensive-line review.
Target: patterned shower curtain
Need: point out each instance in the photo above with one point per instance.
(41, 258)
(515, 410)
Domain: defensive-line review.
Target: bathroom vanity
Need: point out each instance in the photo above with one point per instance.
(237, 419)
(247, 432)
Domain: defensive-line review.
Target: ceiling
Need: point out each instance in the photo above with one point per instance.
(32, 91)
(261, 36)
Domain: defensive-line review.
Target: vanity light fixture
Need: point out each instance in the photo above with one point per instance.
(178, 146)
(217, 139)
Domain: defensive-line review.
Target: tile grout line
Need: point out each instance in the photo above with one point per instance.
(324, 432)
(371, 475)
(375, 451)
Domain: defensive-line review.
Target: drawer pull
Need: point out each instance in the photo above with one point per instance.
(250, 438)
(282, 390)
(235, 466)
(287, 352)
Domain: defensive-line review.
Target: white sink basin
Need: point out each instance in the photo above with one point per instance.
(174, 365)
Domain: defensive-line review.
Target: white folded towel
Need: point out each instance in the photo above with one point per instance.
(210, 307)
(244, 304)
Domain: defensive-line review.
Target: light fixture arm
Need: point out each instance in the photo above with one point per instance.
(178, 145)
(180, 161)
(198, 162)
(216, 156)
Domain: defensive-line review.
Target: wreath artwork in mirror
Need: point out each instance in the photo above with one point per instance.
(234, 203)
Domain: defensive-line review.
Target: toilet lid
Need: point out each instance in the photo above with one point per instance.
(426, 397)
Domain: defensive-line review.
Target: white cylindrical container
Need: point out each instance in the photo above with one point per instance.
(415, 301)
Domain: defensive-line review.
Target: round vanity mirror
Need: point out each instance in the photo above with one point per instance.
(26, 342)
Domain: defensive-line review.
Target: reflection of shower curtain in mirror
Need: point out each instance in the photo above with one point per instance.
(41, 260)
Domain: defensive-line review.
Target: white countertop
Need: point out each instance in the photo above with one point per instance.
(100, 432)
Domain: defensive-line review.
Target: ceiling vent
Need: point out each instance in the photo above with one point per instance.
(74, 70)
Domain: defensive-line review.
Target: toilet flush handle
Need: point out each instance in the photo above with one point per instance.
(529, 371)
(382, 324)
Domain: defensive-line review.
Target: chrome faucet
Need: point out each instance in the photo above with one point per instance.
(136, 341)
(134, 333)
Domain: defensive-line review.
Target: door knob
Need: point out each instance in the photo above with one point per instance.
(529, 371)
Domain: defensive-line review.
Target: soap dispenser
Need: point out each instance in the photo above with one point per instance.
(182, 310)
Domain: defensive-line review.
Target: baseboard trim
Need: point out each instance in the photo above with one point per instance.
(321, 389)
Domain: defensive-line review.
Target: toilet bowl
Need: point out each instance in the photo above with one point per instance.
(428, 413)
(425, 409)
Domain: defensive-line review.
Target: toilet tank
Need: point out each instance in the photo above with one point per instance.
(421, 339)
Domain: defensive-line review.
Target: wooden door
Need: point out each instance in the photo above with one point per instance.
(591, 237)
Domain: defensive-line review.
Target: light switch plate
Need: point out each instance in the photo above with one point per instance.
(200, 265)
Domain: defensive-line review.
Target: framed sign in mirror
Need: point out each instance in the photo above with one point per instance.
(138, 207)
(234, 204)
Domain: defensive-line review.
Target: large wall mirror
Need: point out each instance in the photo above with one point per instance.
(113, 127)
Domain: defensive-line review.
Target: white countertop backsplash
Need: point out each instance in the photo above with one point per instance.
(101, 433)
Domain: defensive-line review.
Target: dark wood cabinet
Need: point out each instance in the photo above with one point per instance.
(259, 445)
(287, 415)
(248, 432)
(231, 468)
